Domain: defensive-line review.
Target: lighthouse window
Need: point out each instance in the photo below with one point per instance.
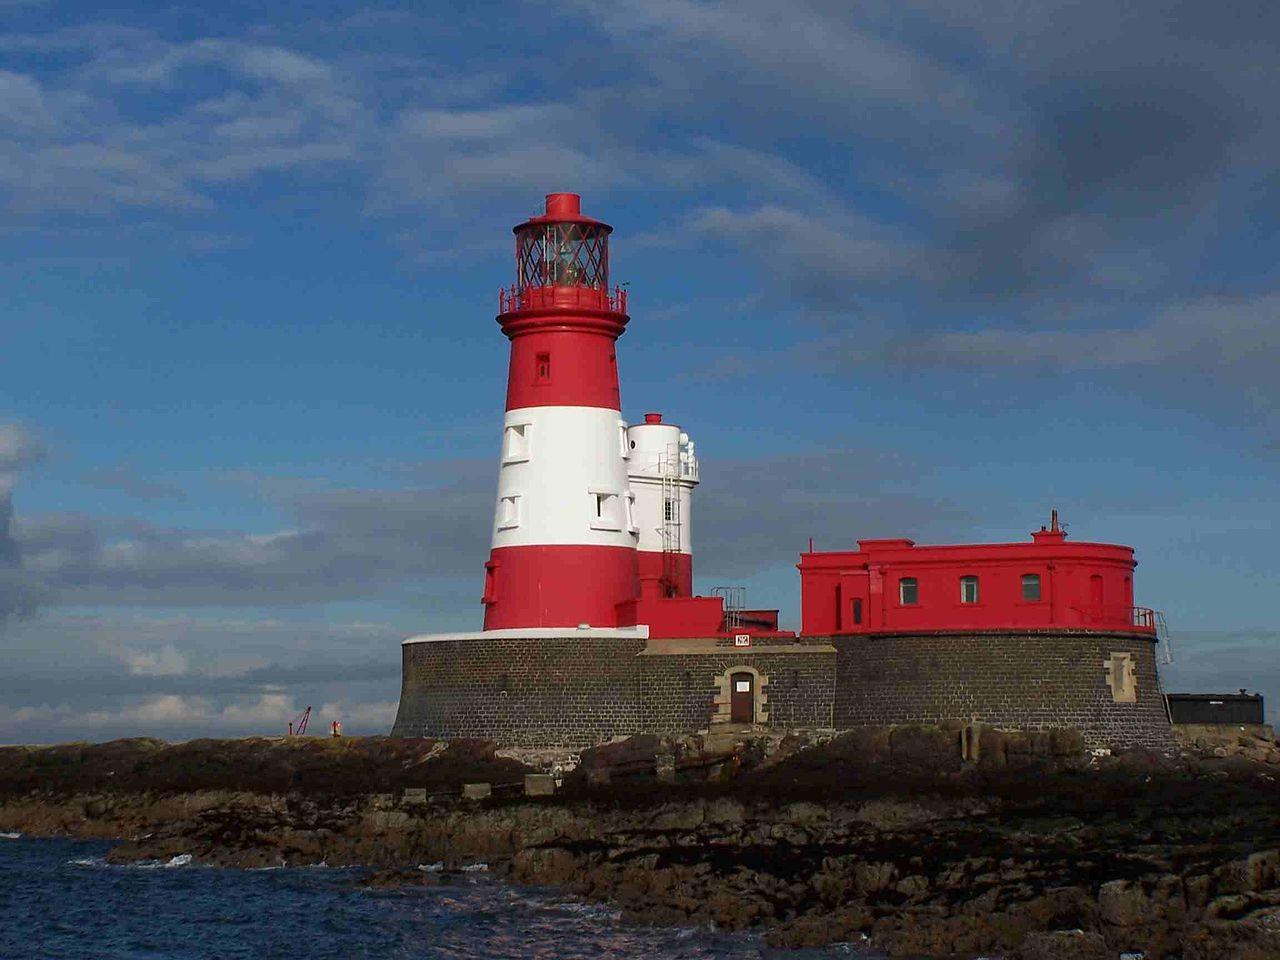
(509, 513)
(606, 511)
(908, 591)
(968, 589)
(1031, 586)
(515, 443)
(542, 368)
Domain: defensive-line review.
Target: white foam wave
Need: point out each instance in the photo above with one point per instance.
(89, 862)
(475, 868)
(10, 836)
(181, 860)
(431, 867)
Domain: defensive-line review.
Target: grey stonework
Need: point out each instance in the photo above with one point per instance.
(578, 691)
(682, 689)
(1029, 681)
(523, 692)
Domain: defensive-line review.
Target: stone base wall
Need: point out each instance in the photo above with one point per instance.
(1105, 686)
(684, 684)
(578, 691)
(524, 692)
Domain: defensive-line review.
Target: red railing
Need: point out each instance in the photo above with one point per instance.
(512, 299)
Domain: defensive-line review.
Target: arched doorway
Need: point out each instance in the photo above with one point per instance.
(742, 698)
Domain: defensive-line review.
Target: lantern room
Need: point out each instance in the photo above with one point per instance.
(562, 260)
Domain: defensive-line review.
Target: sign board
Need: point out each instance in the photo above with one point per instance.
(742, 639)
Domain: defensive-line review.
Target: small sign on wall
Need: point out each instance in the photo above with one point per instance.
(742, 639)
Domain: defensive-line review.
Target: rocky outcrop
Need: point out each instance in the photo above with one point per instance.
(1036, 849)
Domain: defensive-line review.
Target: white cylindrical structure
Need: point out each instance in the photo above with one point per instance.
(564, 479)
(663, 470)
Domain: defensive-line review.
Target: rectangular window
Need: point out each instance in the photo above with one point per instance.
(509, 513)
(968, 589)
(1031, 587)
(908, 591)
(857, 611)
(542, 368)
(515, 443)
(606, 511)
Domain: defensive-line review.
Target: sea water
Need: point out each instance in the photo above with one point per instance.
(61, 900)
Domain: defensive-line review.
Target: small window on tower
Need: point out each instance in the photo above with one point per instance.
(1031, 587)
(857, 611)
(606, 511)
(509, 513)
(968, 589)
(515, 443)
(542, 368)
(908, 591)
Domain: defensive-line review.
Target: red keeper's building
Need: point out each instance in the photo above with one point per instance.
(895, 586)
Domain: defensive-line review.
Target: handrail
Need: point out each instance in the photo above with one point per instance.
(1144, 617)
(513, 299)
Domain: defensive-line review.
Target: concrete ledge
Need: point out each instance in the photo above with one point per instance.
(640, 632)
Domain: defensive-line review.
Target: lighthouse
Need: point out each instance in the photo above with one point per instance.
(564, 532)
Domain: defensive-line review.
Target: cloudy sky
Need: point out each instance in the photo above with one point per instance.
(910, 268)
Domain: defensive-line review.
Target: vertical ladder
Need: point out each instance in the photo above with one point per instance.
(669, 470)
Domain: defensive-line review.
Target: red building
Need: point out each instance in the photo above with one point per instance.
(894, 586)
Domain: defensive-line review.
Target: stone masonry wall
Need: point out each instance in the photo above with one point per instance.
(523, 692)
(1028, 681)
(680, 689)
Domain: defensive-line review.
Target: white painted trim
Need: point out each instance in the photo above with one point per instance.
(638, 632)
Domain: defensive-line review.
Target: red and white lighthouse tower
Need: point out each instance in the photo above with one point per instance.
(564, 535)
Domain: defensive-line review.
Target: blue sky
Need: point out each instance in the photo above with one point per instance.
(915, 269)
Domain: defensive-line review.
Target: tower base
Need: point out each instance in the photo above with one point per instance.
(558, 687)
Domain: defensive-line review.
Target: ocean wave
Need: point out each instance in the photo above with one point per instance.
(181, 860)
(475, 867)
(431, 867)
(10, 836)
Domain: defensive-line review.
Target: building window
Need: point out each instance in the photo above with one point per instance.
(668, 510)
(908, 591)
(857, 612)
(542, 368)
(606, 511)
(1031, 587)
(515, 443)
(509, 513)
(968, 589)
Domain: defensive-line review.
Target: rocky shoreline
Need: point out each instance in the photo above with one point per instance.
(1033, 848)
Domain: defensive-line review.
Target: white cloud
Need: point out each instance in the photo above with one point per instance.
(167, 661)
(19, 449)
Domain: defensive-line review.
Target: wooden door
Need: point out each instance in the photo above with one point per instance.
(742, 702)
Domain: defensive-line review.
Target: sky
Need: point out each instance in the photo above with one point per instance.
(923, 269)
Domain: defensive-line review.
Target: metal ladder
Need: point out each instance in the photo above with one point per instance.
(669, 470)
